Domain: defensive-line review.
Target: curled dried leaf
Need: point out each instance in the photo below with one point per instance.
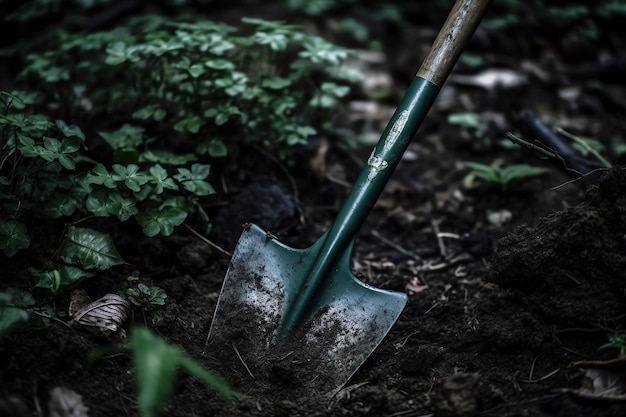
(603, 379)
(78, 300)
(105, 317)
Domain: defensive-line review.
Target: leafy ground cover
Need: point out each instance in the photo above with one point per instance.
(515, 272)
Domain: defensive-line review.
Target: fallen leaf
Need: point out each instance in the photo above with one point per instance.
(105, 317)
(78, 300)
(603, 379)
(64, 402)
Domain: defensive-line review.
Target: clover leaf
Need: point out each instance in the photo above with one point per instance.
(13, 236)
(193, 180)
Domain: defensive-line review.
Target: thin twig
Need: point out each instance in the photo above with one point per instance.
(543, 378)
(442, 247)
(539, 149)
(585, 145)
(543, 150)
(208, 242)
(532, 367)
(400, 249)
(408, 413)
(593, 171)
(241, 359)
(47, 316)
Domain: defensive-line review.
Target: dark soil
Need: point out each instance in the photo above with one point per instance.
(497, 312)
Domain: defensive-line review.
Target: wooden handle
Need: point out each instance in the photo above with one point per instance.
(455, 33)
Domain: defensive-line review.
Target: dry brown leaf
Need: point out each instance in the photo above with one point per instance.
(78, 300)
(105, 317)
(603, 379)
(64, 402)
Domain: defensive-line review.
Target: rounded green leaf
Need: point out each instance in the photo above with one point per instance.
(13, 236)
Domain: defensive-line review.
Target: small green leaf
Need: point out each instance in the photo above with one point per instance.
(60, 204)
(13, 236)
(193, 181)
(100, 175)
(117, 53)
(59, 278)
(131, 176)
(196, 70)
(217, 148)
(10, 316)
(70, 131)
(512, 172)
(162, 220)
(164, 157)
(276, 83)
(121, 206)
(466, 119)
(160, 179)
(90, 249)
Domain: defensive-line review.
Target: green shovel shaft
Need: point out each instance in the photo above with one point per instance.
(456, 31)
(366, 190)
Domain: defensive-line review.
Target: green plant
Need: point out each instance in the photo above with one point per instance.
(616, 341)
(155, 366)
(11, 315)
(56, 279)
(197, 85)
(150, 298)
(501, 175)
(44, 161)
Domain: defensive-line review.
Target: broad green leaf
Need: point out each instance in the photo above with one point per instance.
(13, 236)
(155, 368)
(89, 249)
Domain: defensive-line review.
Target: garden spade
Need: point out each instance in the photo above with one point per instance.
(299, 319)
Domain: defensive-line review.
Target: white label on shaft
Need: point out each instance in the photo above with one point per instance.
(376, 162)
